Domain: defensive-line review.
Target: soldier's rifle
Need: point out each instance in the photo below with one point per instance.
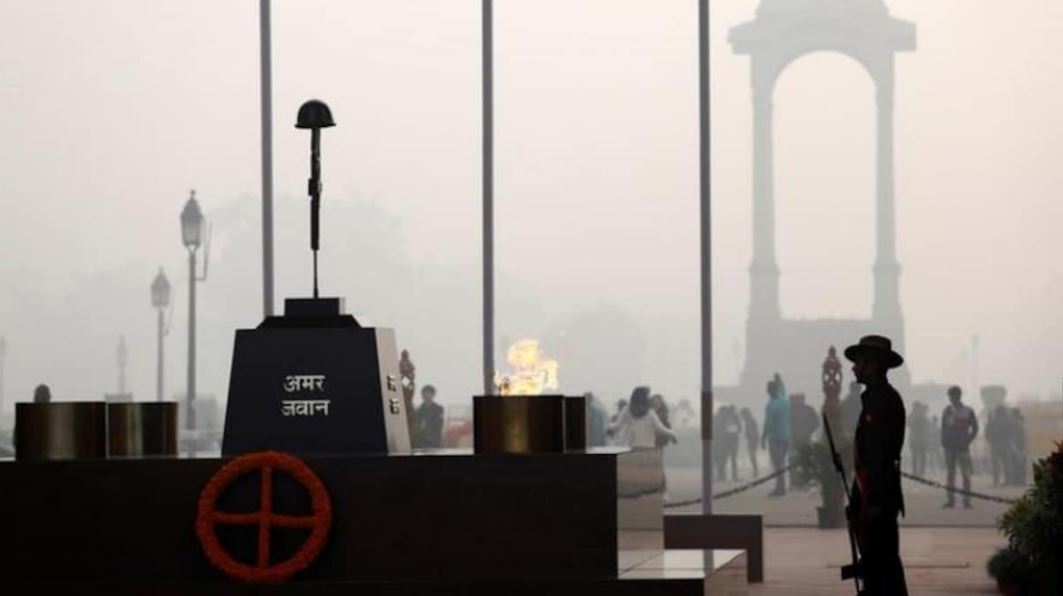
(851, 571)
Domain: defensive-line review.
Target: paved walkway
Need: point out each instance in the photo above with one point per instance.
(938, 561)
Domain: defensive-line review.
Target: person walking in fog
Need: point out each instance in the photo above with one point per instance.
(776, 437)
(996, 434)
(726, 428)
(638, 425)
(428, 420)
(918, 435)
(752, 432)
(876, 497)
(959, 426)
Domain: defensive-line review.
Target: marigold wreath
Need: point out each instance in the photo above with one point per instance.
(266, 463)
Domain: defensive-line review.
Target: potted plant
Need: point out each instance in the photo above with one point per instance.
(1034, 525)
(814, 463)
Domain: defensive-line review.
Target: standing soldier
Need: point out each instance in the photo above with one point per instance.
(959, 426)
(876, 491)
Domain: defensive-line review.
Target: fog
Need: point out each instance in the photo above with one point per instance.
(111, 111)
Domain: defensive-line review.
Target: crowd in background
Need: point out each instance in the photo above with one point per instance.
(936, 444)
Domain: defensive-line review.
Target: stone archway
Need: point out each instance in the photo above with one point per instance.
(783, 32)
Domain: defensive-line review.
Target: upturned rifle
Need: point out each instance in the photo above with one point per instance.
(853, 570)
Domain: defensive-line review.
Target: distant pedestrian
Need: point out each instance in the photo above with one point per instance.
(918, 435)
(959, 426)
(935, 453)
(776, 437)
(659, 407)
(727, 428)
(637, 425)
(996, 434)
(684, 414)
(1017, 450)
(803, 423)
(428, 420)
(596, 421)
(752, 432)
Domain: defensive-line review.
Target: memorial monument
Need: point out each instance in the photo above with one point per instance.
(314, 381)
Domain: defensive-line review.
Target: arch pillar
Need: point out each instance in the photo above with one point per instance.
(764, 270)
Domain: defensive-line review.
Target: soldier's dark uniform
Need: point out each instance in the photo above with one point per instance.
(877, 455)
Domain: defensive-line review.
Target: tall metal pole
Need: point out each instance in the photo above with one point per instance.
(488, 199)
(190, 418)
(3, 359)
(267, 157)
(158, 364)
(704, 166)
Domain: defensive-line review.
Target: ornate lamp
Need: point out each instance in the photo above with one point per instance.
(192, 224)
(160, 290)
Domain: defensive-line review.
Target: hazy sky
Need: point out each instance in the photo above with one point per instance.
(110, 111)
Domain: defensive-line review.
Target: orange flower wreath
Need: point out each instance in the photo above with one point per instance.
(266, 463)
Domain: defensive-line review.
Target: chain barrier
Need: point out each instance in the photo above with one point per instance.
(734, 491)
(757, 482)
(960, 491)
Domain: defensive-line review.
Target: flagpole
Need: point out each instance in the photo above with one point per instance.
(266, 91)
(704, 169)
(488, 198)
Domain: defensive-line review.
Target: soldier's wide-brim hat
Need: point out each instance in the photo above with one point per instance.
(875, 346)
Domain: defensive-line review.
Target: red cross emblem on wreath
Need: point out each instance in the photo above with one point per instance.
(266, 464)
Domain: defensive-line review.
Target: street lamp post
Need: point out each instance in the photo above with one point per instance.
(192, 237)
(160, 299)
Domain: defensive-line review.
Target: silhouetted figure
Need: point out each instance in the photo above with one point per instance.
(851, 409)
(660, 408)
(42, 394)
(935, 453)
(919, 437)
(596, 421)
(996, 434)
(726, 429)
(429, 420)
(610, 430)
(1017, 448)
(803, 423)
(876, 492)
(637, 425)
(959, 426)
(752, 432)
(776, 437)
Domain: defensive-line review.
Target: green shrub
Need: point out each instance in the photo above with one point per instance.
(1034, 527)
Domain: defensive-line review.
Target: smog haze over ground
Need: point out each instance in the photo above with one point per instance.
(111, 111)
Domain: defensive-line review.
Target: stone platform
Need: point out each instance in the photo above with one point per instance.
(440, 522)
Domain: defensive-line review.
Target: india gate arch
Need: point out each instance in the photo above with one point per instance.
(782, 32)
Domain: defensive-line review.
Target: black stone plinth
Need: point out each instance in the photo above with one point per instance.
(441, 517)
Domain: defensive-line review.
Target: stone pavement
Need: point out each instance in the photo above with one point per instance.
(938, 561)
